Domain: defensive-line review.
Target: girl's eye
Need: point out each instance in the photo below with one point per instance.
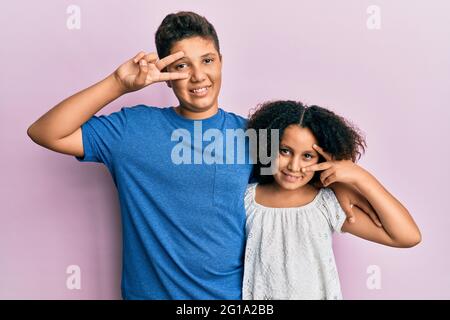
(284, 151)
(308, 156)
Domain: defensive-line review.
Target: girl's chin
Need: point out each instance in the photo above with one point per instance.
(289, 185)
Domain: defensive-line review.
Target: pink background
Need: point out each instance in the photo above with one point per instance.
(392, 82)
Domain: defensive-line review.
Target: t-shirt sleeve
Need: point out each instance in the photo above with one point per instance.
(102, 137)
(333, 213)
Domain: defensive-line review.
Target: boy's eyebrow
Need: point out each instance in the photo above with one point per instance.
(187, 58)
(209, 54)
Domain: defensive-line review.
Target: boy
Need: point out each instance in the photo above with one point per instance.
(183, 225)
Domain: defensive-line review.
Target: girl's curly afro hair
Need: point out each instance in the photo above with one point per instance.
(334, 134)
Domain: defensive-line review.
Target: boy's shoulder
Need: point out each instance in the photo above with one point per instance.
(141, 108)
(239, 121)
(143, 112)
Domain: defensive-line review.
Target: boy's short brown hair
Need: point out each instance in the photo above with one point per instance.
(181, 25)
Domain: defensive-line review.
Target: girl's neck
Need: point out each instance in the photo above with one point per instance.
(272, 195)
(276, 188)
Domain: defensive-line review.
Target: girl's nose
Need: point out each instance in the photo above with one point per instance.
(294, 165)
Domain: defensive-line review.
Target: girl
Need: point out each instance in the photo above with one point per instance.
(291, 214)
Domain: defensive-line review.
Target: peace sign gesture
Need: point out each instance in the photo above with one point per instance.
(145, 69)
(345, 171)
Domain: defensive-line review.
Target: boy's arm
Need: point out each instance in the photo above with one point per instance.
(60, 128)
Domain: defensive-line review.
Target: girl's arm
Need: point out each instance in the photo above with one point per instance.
(398, 227)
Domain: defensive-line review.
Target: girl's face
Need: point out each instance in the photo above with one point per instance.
(296, 152)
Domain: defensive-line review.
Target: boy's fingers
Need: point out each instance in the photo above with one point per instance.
(326, 155)
(138, 56)
(161, 64)
(318, 167)
(349, 213)
(168, 76)
(151, 57)
(142, 75)
(365, 206)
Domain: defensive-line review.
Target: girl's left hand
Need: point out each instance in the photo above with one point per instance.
(345, 171)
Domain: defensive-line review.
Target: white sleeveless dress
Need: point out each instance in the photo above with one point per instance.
(289, 252)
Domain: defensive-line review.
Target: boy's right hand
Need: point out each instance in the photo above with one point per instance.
(145, 69)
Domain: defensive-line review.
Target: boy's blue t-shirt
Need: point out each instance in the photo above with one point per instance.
(183, 224)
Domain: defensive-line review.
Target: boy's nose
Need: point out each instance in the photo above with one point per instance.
(198, 75)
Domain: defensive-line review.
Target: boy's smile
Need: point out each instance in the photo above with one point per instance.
(198, 94)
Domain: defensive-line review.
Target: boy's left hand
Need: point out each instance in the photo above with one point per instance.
(349, 198)
(345, 171)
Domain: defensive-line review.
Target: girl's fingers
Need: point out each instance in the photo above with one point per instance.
(325, 175)
(324, 154)
(318, 167)
(138, 56)
(329, 180)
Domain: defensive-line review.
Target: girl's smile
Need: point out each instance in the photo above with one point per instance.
(295, 153)
(291, 178)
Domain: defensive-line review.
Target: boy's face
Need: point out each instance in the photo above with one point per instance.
(296, 152)
(198, 94)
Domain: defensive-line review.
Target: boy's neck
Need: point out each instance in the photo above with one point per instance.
(186, 113)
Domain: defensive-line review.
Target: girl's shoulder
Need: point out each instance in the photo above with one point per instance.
(327, 195)
(250, 189)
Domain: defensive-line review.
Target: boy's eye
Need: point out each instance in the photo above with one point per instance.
(208, 60)
(181, 66)
(284, 151)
